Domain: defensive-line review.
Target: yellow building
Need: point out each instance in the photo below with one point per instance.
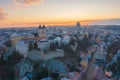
(16, 37)
(42, 31)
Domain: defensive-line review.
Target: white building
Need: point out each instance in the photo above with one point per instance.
(101, 54)
(66, 39)
(22, 47)
(78, 26)
(58, 40)
(43, 44)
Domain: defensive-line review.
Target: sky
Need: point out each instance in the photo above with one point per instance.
(14, 13)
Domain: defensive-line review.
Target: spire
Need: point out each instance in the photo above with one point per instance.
(78, 24)
(43, 26)
(39, 26)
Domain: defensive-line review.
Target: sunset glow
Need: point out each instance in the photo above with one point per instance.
(15, 13)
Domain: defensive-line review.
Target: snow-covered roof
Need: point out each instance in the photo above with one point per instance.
(41, 39)
(64, 79)
(21, 42)
(58, 39)
(21, 34)
(48, 78)
(15, 34)
(66, 37)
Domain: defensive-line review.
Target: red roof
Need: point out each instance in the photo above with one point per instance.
(40, 38)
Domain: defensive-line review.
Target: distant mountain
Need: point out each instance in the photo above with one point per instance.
(106, 22)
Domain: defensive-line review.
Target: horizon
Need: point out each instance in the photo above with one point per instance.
(14, 13)
(60, 24)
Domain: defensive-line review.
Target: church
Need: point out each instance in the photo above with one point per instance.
(42, 31)
(22, 45)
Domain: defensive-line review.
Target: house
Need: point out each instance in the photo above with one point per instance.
(43, 44)
(48, 78)
(23, 67)
(66, 39)
(57, 66)
(73, 76)
(101, 54)
(19, 36)
(22, 47)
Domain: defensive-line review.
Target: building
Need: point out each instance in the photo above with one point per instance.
(66, 39)
(42, 31)
(43, 44)
(79, 29)
(16, 37)
(78, 26)
(22, 47)
(101, 53)
(23, 67)
(48, 78)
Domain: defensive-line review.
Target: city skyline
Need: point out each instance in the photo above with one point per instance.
(58, 12)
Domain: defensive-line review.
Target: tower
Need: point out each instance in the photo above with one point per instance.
(78, 26)
(42, 31)
(79, 29)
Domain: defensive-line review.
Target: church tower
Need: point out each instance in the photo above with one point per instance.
(78, 26)
(42, 31)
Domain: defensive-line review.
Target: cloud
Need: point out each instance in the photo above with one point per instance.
(2, 14)
(28, 2)
(1, 9)
(20, 4)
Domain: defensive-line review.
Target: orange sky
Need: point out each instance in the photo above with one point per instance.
(16, 13)
(67, 23)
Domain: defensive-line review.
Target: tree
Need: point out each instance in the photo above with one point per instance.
(114, 64)
(83, 44)
(30, 47)
(14, 58)
(8, 66)
(42, 73)
(35, 45)
(112, 50)
(7, 43)
(53, 46)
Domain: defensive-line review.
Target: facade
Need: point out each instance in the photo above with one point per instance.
(43, 44)
(57, 66)
(66, 40)
(22, 47)
(42, 31)
(22, 68)
(101, 54)
(16, 37)
(78, 26)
